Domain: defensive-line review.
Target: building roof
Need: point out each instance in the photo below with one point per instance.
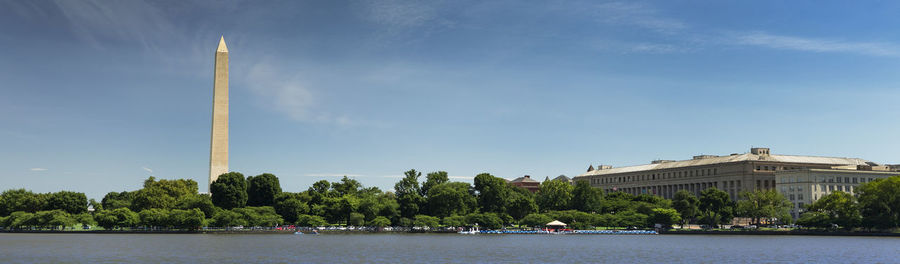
(870, 172)
(731, 158)
(525, 178)
(556, 223)
(562, 178)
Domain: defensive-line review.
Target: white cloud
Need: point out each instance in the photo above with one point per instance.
(282, 94)
(635, 14)
(767, 40)
(289, 94)
(147, 169)
(461, 177)
(400, 13)
(333, 175)
(96, 22)
(656, 48)
(38, 169)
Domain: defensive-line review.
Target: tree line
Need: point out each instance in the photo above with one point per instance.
(490, 202)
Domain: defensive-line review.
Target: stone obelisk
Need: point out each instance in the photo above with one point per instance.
(218, 146)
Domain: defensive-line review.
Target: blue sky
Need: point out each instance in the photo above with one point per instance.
(96, 96)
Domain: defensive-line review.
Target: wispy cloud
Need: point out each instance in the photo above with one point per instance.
(333, 175)
(288, 94)
(461, 177)
(98, 22)
(289, 97)
(147, 169)
(38, 169)
(763, 39)
(656, 48)
(635, 14)
(404, 20)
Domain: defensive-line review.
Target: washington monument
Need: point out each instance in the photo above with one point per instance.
(218, 146)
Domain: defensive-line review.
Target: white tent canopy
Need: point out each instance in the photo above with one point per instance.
(556, 223)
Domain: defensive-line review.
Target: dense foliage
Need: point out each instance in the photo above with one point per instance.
(489, 203)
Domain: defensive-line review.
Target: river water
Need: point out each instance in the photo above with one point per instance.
(442, 248)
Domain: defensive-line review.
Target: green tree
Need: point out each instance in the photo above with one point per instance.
(187, 219)
(94, 204)
(117, 218)
(586, 198)
(289, 206)
(151, 197)
(310, 221)
(198, 201)
(426, 221)
(379, 221)
(451, 198)
(663, 216)
(85, 219)
(485, 220)
(262, 189)
(554, 195)
(536, 220)
(434, 179)
(455, 221)
(521, 203)
(229, 190)
(21, 200)
(408, 194)
(630, 219)
(228, 218)
(70, 202)
(838, 208)
(115, 200)
(53, 219)
(879, 203)
(687, 205)
(154, 218)
(763, 204)
(346, 186)
(356, 219)
(260, 216)
(493, 193)
(814, 219)
(714, 204)
(615, 202)
(17, 220)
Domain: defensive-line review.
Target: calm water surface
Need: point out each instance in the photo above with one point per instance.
(441, 248)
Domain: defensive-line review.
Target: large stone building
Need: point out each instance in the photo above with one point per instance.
(733, 173)
(805, 186)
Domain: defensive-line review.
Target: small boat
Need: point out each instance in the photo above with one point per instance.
(298, 233)
(472, 231)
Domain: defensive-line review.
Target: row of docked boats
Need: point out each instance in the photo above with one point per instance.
(561, 232)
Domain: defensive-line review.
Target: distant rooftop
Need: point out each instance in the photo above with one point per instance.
(760, 154)
(526, 178)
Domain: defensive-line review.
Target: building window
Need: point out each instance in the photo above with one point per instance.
(766, 167)
(847, 179)
(800, 196)
(757, 168)
(854, 179)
